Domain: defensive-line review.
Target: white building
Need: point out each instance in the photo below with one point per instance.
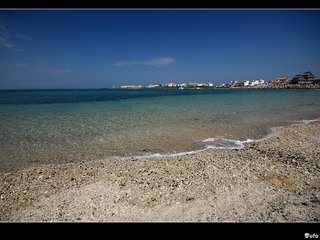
(170, 85)
(259, 82)
(153, 85)
(131, 86)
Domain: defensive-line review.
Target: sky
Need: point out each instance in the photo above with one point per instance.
(53, 49)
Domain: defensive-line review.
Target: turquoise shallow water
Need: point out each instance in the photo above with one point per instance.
(56, 126)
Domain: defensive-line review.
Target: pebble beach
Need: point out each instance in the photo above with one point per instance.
(276, 179)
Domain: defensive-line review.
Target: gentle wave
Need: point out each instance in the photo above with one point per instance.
(223, 143)
(155, 155)
(294, 123)
(305, 121)
(213, 143)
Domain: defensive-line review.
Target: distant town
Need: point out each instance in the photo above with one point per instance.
(304, 81)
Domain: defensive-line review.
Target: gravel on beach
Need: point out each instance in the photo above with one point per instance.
(272, 180)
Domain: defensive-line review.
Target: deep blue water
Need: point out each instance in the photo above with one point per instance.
(101, 95)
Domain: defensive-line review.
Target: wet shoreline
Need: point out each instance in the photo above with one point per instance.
(275, 179)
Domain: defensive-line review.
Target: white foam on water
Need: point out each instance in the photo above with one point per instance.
(304, 121)
(212, 143)
(224, 143)
(238, 145)
(295, 123)
(156, 155)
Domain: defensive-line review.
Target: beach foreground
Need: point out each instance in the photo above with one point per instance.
(276, 179)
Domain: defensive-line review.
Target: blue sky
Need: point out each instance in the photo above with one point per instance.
(104, 48)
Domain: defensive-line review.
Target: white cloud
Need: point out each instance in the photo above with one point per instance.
(5, 34)
(9, 35)
(157, 62)
(34, 67)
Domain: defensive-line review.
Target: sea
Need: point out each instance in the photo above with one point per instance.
(59, 126)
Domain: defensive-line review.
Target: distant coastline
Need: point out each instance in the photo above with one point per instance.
(300, 81)
(283, 86)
